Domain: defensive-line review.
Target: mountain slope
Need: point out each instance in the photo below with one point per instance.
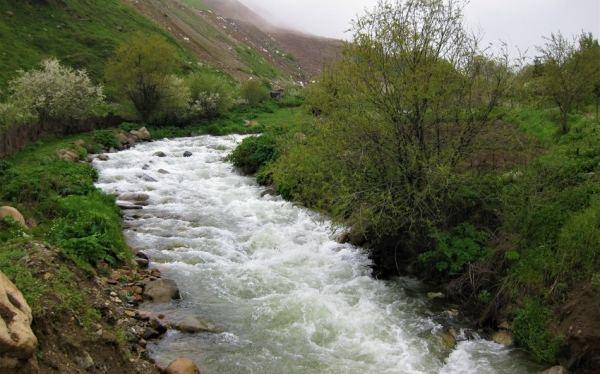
(81, 33)
(232, 37)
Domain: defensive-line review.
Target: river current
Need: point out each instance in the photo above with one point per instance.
(289, 298)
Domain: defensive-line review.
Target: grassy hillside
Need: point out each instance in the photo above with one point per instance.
(81, 33)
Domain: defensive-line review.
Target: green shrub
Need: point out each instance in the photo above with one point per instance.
(254, 153)
(530, 329)
(31, 286)
(36, 183)
(455, 249)
(211, 94)
(106, 138)
(254, 92)
(89, 229)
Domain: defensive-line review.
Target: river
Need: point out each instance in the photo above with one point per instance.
(289, 298)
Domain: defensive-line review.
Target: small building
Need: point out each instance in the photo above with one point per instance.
(277, 94)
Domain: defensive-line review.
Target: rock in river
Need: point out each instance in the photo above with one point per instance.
(193, 324)
(182, 366)
(161, 290)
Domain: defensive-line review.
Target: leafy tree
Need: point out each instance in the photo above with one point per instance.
(211, 95)
(401, 111)
(54, 92)
(569, 71)
(254, 92)
(141, 69)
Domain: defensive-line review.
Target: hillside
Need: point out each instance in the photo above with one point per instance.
(82, 34)
(228, 35)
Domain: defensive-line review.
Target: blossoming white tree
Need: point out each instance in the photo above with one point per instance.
(56, 92)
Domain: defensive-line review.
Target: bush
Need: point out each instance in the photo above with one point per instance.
(254, 92)
(106, 138)
(89, 229)
(11, 114)
(455, 249)
(211, 95)
(174, 106)
(55, 92)
(530, 328)
(254, 153)
(10, 229)
(141, 73)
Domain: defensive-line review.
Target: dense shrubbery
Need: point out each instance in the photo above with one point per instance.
(254, 153)
(54, 92)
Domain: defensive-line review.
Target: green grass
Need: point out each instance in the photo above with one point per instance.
(81, 33)
(258, 65)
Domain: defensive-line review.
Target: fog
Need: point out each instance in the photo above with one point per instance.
(519, 23)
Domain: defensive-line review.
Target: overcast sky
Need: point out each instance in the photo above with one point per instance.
(520, 23)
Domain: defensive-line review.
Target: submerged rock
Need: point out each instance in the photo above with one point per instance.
(137, 197)
(148, 178)
(448, 338)
(503, 337)
(9, 211)
(193, 324)
(161, 290)
(17, 341)
(182, 366)
(103, 157)
(163, 171)
(187, 154)
(160, 154)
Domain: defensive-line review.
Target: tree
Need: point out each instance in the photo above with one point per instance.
(141, 69)
(569, 71)
(55, 92)
(400, 113)
(254, 92)
(211, 94)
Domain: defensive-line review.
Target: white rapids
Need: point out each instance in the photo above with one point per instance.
(288, 296)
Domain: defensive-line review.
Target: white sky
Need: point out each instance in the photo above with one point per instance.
(519, 23)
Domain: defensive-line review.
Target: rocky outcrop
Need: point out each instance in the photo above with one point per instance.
(9, 211)
(161, 290)
(17, 341)
(182, 366)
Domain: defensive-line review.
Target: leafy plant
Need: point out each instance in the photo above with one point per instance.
(530, 328)
(106, 138)
(455, 249)
(253, 153)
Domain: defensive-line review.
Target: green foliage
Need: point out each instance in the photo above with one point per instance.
(455, 249)
(254, 153)
(89, 229)
(83, 34)
(11, 264)
(10, 229)
(106, 138)
(36, 183)
(205, 85)
(140, 71)
(254, 92)
(530, 328)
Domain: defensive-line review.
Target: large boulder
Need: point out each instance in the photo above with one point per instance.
(17, 341)
(182, 366)
(161, 290)
(9, 211)
(142, 134)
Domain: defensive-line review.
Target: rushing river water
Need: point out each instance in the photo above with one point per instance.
(288, 297)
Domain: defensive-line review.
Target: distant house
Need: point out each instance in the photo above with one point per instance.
(277, 94)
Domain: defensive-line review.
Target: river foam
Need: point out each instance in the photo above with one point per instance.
(288, 296)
